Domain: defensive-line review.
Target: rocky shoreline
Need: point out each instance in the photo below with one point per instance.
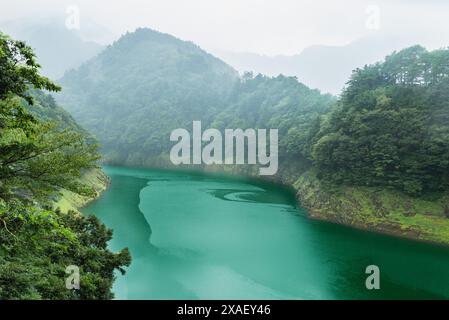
(375, 210)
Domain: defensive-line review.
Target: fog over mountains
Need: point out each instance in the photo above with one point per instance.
(136, 91)
(326, 68)
(322, 67)
(58, 48)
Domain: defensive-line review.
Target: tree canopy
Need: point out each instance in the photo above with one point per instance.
(36, 157)
(391, 125)
(41, 152)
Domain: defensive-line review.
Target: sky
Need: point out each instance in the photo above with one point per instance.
(268, 27)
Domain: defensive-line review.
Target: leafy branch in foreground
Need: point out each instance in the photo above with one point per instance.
(38, 158)
(19, 70)
(37, 245)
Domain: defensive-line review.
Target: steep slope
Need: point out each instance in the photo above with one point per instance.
(38, 159)
(45, 108)
(142, 87)
(280, 103)
(381, 158)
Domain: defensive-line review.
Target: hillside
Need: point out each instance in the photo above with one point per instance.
(154, 83)
(139, 89)
(46, 109)
(376, 158)
(381, 157)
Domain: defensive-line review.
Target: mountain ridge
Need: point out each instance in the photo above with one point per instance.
(139, 78)
(322, 67)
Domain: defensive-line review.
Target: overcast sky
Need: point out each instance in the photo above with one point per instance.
(262, 26)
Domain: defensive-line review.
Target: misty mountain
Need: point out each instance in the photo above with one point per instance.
(326, 68)
(57, 48)
(136, 91)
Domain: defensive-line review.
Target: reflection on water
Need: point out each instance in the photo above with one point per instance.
(206, 237)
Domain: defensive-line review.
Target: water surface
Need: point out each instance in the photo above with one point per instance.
(195, 236)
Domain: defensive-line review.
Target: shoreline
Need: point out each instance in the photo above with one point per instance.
(313, 214)
(303, 191)
(70, 201)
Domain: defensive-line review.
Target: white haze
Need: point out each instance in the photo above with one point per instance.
(274, 27)
(318, 41)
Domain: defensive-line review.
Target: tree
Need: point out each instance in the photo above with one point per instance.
(37, 246)
(35, 157)
(38, 158)
(391, 126)
(19, 70)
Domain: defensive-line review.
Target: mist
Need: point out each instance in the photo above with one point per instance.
(283, 27)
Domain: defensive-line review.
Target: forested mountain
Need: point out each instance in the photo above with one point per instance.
(375, 158)
(391, 127)
(281, 103)
(148, 83)
(139, 89)
(43, 151)
(381, 157)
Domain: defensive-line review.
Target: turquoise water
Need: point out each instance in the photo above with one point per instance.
(196, 236)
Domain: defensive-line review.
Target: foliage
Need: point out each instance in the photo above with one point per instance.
(36, 246)
(280, 103)
(36, 157)
(41, 151)
(391, 126)
(19, 70)
(146, 84)
(134, 93)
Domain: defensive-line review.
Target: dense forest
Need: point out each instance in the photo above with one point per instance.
(133, 94)
(391, 125)
(389, 128)
(148, 83)
(386, 136)
(42, 151)
(375, 156)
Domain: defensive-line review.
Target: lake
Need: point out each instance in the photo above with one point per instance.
(203, 236)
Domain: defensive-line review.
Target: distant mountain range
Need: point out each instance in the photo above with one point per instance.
(58, 49)
(326, 68)
(322, 67)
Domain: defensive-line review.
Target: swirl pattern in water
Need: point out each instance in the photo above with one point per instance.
(195, 236)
